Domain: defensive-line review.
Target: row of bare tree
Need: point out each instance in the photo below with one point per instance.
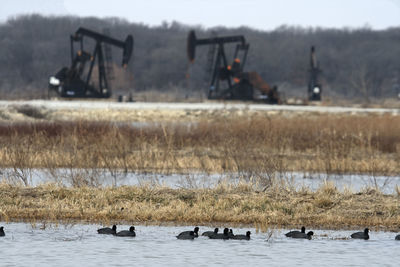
(356, 63)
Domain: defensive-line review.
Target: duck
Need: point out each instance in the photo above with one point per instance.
(108, 230)
(242, 237)
(195, 232)
(289, 234)
(303, 235)
(2, 231)
(130, 232)
(208, 233)
(225, 235)
(361, 235)
(230, 234)
(189, 236)
(397, 237)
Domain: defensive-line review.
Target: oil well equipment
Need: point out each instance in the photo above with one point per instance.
(76, 81)
(314, 86)
(229, 81)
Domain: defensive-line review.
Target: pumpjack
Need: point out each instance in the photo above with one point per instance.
(75, 81)
(239, 85)
(314, 87)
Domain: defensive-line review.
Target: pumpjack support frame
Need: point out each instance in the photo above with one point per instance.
(74, 81)
(221, 70)
(239, 85)
(314, 86)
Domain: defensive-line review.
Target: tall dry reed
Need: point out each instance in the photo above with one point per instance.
(251, 146)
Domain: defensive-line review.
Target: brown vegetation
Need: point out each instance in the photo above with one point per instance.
(255, 146)
(278, 206)
(250, 145)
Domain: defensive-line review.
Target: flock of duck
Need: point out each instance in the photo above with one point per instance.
(302, 234)
(113, 231)
(226, 234)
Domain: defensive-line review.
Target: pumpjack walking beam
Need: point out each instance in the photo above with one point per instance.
(127, 46)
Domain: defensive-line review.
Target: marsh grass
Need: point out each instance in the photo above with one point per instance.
(257, 147)
(234, 204)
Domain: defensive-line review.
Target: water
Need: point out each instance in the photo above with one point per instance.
(80, 245)
(354, 182)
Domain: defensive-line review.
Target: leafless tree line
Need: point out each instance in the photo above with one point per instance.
(360, 63)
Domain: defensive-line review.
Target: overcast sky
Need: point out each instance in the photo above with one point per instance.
(259, 14)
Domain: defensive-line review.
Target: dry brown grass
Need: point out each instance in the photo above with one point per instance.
(251, 146)
(277, 206)
(254, 146)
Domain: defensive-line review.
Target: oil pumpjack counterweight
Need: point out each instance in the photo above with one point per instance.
(75, 81)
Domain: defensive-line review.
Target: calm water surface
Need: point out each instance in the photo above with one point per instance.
(80, 245)
(354, 182)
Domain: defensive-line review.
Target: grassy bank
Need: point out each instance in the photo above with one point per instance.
(248, 145)
(277, 206)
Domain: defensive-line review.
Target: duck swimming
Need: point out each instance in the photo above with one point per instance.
(130, 232)
(208, 233)
(187, 236)
(195, 232)
(230, 234)
(242, 237)
(289, 234)
(361, 235)
(303, 235)
(108, 230)
(225, 235)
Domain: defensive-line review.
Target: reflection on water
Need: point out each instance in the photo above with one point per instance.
(78, 245)
(296, 180)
